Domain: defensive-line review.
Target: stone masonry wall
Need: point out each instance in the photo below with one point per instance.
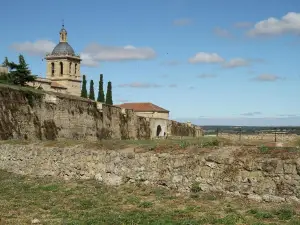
(260, 178)
(27, 114)
(262, 136)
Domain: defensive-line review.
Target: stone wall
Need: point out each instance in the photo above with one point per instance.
(262, 136)
(3, 69)
(27, 114)
(260, 177)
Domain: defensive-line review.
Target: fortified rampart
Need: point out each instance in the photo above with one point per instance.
(26, 113)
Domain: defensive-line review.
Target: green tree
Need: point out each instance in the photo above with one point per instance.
(19, 73)
(101, 97)
(5, 62)
(109, 100)
(83, 89)
(92, 93)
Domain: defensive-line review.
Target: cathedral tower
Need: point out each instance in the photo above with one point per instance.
(63, 65)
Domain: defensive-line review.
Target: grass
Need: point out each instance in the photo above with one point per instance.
(51, 201)
(151, 145)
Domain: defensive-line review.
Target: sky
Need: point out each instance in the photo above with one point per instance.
(211, 62)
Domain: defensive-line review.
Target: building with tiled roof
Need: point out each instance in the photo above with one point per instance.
(147, 109)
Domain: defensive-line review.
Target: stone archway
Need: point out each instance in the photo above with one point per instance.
(158, 130)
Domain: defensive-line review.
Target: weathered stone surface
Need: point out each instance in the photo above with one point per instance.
(35, 221)
(272, 198)
(175, 171)
(25, 114)
(256, 198)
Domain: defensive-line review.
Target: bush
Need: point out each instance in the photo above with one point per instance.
(263, 149)
(195, 187)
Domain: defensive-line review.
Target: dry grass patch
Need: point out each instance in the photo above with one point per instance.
(157, 145)
(54, 201)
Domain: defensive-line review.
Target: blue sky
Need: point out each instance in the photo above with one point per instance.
(208, 61)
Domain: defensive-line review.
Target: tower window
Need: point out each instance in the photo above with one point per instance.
(52, 69)
(75, 68)
(70, 68)
(61, 68)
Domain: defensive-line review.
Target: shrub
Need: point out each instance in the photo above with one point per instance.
(263, 149)
(195, 187)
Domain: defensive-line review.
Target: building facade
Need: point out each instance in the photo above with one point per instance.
(62, 69)
(3, 70)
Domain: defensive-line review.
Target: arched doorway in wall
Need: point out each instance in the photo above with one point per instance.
(158, 130)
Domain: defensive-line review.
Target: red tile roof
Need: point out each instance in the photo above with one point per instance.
(57, 85)
(143, 107)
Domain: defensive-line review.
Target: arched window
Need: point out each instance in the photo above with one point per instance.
(61, 68)
(52, 69)
(70, 68)
(75, 68)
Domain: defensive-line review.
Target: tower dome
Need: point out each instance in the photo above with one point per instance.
(63, 48)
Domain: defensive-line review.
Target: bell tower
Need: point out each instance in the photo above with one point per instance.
(63, 34)
(63, 65)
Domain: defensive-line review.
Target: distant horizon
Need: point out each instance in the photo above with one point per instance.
(244, 121)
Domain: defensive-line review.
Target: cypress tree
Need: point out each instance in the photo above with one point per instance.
(101, 97)
(109, 100)
(83, 90)
(92, 93)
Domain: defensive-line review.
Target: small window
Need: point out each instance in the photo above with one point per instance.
(61, 68)
(52, 69)
(70, 68)
(75, 68)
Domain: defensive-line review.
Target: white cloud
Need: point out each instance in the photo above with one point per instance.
(37, 48)
(170, 63)
(222, 32)
(164, 75)
(95, 53)
(251, 114)
(267, 78)
(236, 62)
(139, 85)
(173, 85)
(206, 75)
(289, 115)
(182, 22)
(203, 57)
(243, 24)
(92, 54)
(290, 23)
